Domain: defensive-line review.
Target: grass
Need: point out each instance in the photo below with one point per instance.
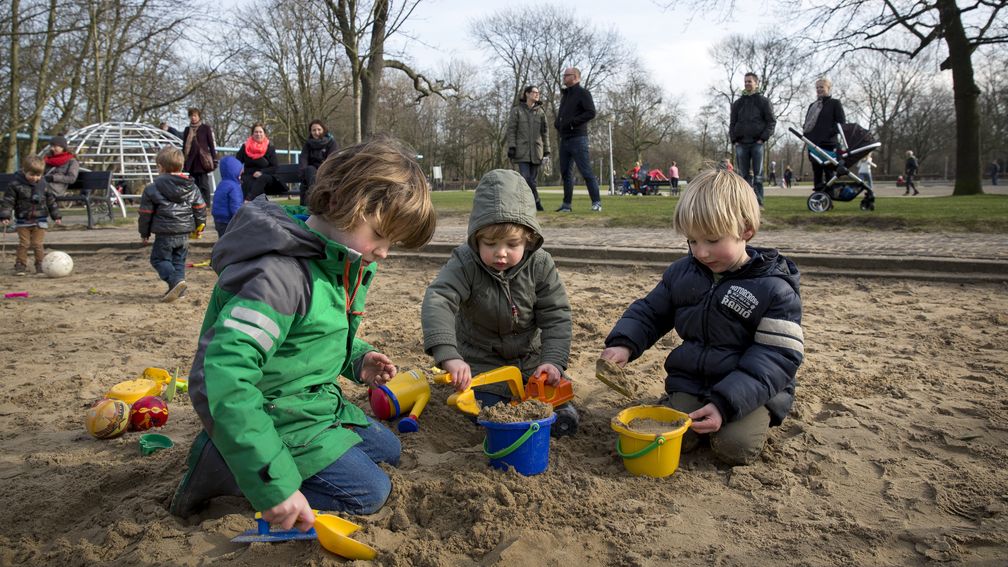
(977, 213)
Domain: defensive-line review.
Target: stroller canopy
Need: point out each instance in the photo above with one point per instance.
(859, 143)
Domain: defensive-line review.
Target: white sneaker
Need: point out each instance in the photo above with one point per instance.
(597, 206)
(174, 293)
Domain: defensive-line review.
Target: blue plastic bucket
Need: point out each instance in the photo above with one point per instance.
(524, 446)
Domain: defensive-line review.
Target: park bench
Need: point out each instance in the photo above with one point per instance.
(93, 189)
(289, 174)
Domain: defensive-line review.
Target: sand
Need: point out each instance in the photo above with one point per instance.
(895, 453)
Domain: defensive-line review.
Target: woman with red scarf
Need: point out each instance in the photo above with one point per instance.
(200, 152)
(258, 156)
(60, 166)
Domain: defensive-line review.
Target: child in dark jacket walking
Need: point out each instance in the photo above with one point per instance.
(171, 208)
(738, 312)
(228, 197)
(30, 202)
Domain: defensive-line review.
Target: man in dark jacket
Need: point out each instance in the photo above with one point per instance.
(752, 124)
(821, 121)
(171, 208)
(576, 109)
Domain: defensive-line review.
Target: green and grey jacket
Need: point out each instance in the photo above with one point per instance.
(278, 332)
(520, 317)
(527, 133)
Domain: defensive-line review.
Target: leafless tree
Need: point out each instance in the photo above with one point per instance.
(362, 29)
(641, 117)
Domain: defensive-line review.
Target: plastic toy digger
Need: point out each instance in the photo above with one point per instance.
(537, 389)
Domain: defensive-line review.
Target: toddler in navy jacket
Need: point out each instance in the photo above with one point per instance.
(738, 311)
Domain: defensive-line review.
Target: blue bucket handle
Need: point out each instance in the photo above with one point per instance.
(533, 427)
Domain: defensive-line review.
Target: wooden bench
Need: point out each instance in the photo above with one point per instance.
(92, 189)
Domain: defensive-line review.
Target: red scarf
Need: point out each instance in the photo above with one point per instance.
(254, 149)
(58, 160)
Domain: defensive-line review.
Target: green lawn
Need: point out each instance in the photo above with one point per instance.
(979, 213)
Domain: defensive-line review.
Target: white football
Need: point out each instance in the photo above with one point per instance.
(57, 264)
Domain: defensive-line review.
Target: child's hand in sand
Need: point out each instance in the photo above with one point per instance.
(461, 374)
(293, 511)
(618, 355)
(377, 369)
(553, 374)
(706, 419)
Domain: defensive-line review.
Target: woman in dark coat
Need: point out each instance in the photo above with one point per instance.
(821, 121)
(528, 138)
(258, 156)
(200, 152)
(319, 145)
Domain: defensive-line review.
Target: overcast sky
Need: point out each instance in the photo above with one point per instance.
(671, 47)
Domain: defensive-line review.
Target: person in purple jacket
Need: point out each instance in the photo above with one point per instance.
(738, 312)
(228, 197)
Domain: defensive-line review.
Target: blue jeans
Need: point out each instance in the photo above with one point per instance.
(750, 157)
(354, 483)
(530, 171)
(576, 149)
(168, 256)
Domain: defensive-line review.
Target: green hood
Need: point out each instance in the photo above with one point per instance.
(503, 196)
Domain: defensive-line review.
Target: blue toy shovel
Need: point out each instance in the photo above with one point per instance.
(263, 533)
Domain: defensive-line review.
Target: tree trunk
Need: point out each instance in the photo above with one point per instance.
(15, 87)
(967, 96)
(42, 91)
(371, 77)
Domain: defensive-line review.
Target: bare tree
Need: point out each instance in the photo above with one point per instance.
(362, 30)
(641, 117)
(288, 62)
(883, 90)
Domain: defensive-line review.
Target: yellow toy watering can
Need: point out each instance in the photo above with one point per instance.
(407, 393)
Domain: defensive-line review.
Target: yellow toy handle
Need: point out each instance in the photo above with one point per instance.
(198, 233)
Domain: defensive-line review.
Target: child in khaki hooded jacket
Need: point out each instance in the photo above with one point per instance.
(499, 300)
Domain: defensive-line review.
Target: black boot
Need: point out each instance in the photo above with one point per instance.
(208, 477)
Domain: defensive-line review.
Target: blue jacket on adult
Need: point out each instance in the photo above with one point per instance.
(741, 333)
(228, 197)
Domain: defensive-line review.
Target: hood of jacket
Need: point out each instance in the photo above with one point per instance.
(503, 196)
(175, 188)
(260, 228)
(230, 167)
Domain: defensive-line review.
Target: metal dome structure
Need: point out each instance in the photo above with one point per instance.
(127, 149)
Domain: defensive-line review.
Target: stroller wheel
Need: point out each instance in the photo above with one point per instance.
(819, 202)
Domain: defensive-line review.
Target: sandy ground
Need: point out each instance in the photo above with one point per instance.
(895, 453)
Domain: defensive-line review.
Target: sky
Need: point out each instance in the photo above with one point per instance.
(673, 48)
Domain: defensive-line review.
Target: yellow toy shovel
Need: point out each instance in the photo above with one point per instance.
(465, 400)
(334, 535)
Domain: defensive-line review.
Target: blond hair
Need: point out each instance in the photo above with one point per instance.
(170, 159)
(378, 179)
(503, 231)
(717, 203)
(33, 165)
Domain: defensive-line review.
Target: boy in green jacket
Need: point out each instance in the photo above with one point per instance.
(499, 300)
(279, 331)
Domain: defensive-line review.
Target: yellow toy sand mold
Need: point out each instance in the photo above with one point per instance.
(150, 383)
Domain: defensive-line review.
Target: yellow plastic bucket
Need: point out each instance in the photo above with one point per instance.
(649, 454)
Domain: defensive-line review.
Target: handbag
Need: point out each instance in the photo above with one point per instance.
(206, 160)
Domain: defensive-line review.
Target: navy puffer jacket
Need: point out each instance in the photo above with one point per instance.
(742, 339)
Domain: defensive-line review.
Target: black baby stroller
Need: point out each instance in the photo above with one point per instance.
(842, 184)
